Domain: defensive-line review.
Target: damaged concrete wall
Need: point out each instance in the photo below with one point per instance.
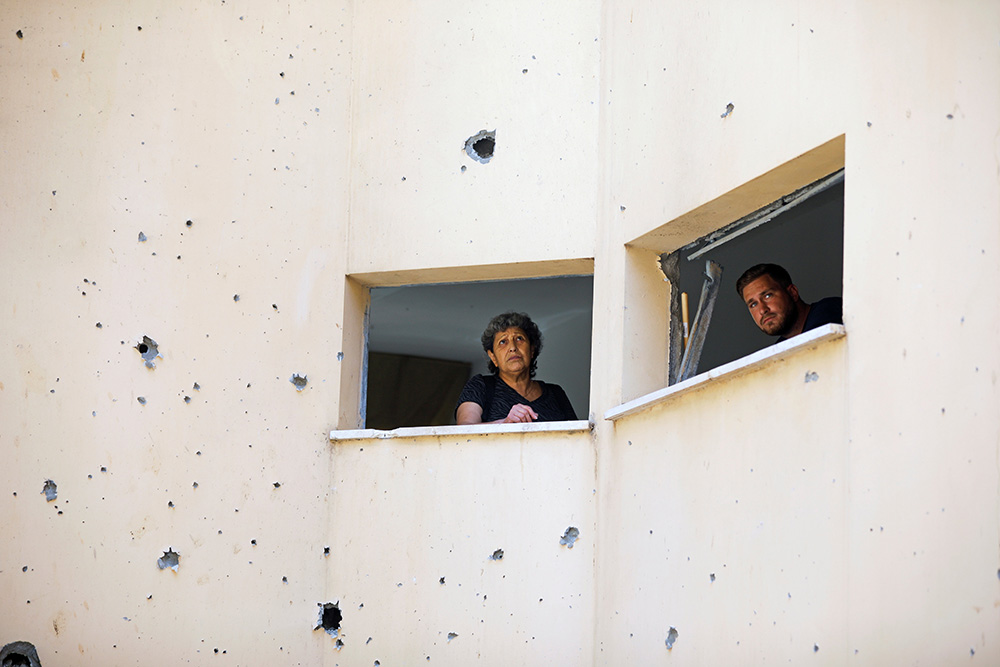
(205, 177)
(429, 78)
(176, 171)
(890, 523)
(461, 549)
(181, 174)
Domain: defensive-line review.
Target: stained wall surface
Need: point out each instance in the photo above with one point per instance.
(177, 171)
(229, 178)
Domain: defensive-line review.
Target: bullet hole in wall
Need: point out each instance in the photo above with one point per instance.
(329, 618)
(20, 35)
(480, 146)
(671, 637)
(299, 381)
(729, 110)
(452, 635)
(142, 237)
(497, 555)
(326, 551)
(149, 350)
(571, 535)
(170, 558)
(19, 653)
(49, 489)
(142, 400)
(236, 297)
(189, 223)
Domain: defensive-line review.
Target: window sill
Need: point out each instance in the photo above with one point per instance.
(451, 431)
(808, 340)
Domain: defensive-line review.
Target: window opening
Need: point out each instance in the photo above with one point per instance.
(801, 231)
(423, 343)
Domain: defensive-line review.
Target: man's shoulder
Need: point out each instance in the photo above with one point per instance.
(826, 311)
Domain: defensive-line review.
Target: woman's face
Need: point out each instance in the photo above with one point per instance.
(511, 351)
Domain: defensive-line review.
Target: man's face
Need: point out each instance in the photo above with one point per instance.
(773, 307)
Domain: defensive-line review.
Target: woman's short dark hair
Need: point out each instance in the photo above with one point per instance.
(505, 321)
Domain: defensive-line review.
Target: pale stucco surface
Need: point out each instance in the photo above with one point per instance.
(845, 498)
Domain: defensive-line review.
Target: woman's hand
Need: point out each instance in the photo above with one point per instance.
(520, 414)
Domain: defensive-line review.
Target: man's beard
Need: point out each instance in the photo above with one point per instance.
(781, 324)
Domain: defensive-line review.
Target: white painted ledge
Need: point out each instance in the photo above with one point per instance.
(452, 431)
(751, 362)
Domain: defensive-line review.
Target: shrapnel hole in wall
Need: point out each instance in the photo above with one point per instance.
(19, 654)
(149, 350)
(329, 618)
(481, 145)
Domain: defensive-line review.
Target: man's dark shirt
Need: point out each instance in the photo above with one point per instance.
(553, 405)
(825, 311)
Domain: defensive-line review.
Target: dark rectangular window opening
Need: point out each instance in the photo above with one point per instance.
(803, 232)
(423, 343)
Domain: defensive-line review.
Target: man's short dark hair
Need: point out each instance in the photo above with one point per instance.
(505, 321)
(777, 273)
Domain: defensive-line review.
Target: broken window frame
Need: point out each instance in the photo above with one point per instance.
(651, 327)
(683, 359)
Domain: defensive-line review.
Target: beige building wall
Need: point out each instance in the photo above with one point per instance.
(835, 504)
